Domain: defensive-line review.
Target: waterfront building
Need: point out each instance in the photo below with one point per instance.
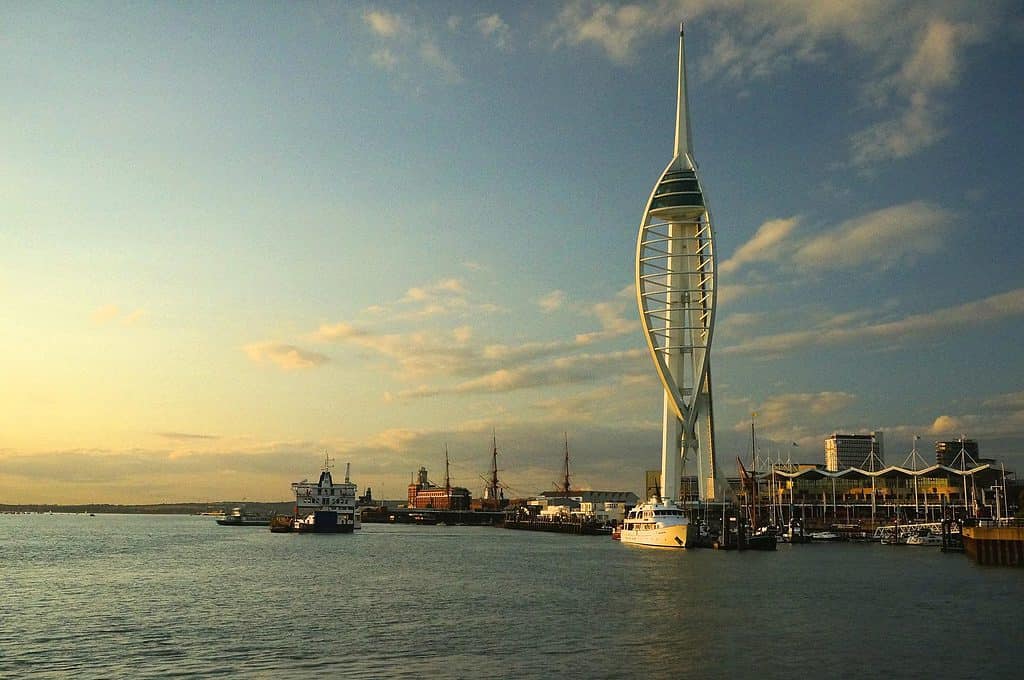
(854, 494)
(587, 496)
(854, 450)
(676, 284)
(603, 506)
(425, 494)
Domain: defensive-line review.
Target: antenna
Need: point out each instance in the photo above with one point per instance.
(684, 139)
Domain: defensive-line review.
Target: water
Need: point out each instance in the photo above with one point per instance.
(170, 596)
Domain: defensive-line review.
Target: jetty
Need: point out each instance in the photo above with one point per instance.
(995, 542)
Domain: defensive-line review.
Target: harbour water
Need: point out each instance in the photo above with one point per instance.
(175, 596)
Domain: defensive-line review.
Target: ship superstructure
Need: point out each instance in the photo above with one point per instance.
(323, 506)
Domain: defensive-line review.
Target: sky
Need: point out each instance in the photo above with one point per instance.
(235, 237)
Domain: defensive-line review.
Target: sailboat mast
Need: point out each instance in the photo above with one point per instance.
(753, 477)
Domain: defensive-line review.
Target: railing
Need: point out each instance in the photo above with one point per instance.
(1008, 522)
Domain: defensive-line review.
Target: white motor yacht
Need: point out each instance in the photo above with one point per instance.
(657, 524)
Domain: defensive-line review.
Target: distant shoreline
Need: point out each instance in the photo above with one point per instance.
(268, 507)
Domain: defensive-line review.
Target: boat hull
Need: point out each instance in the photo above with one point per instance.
(661, 537)
(229, 522)
(325, 522)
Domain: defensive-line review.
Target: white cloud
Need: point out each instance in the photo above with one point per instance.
(974, 313)
(434, 57)
(287, 357)
(879, 240)
(105, 314)
(616, 316)
(495, 28)
(913, 50)
(384, 58)
(767, 244)
(553, 301)
(615, 29)
(783, 411)
(384, 24)
(882, 238)
(405, 45)
(110, 313)
(563, 370)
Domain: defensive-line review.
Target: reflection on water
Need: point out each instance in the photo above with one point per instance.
(142, 596)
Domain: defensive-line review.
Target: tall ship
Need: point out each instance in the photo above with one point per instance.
(324, 507)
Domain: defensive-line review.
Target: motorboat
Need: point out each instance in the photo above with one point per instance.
(657, 524)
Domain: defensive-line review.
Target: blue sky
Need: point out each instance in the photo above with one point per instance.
(235, 236)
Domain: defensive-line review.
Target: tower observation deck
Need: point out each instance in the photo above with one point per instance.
(675, 286)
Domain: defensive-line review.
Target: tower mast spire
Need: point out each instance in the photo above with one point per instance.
(675, 282)
(684, 140)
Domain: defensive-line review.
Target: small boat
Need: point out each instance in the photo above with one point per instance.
(237, 518)
(825, 536)
(794, 533)
(282, 524)
(925, 539)
(762, 539)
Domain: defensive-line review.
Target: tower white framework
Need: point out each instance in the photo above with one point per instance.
(675, 287)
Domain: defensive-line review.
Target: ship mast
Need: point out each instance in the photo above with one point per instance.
(494, 485)
(565, 482)
(447, 480)
(447, 477)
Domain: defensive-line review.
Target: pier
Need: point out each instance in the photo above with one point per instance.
(430, 516)
(996, 542)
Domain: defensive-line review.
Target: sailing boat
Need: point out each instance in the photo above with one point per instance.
(759, 538)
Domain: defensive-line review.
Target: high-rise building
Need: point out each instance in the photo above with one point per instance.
(865, 451)
(947, 452)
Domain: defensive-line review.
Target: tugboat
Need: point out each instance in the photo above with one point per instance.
(322, 507)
